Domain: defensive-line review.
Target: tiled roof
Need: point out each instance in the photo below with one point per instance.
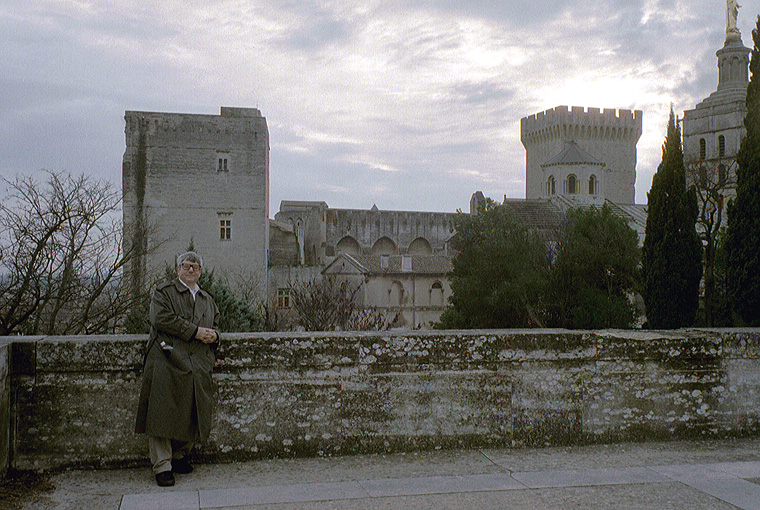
(637, 212)
(535, 213)
(573, 155)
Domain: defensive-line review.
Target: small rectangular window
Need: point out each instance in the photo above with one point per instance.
(283, 298)
(222, 161)
(225, 226)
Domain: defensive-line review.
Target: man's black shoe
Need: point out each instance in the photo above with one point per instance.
(165, 479)
(182, 466)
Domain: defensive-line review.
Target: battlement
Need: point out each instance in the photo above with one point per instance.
(562, 115)
(246, 121)
(589, 122)
(228, 111)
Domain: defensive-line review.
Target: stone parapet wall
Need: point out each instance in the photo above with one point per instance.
(73, 399)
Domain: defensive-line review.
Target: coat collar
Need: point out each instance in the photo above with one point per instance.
(181, 287)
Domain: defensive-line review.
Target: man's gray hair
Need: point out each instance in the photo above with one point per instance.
(190, 256)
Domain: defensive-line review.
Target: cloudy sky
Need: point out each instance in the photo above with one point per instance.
(405, 104)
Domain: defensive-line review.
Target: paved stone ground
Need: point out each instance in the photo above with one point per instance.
(675, 475)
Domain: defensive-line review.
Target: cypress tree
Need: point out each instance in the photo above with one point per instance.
(672, 252)
(743, 235)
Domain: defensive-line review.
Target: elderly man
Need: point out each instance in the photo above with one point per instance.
(176, 399)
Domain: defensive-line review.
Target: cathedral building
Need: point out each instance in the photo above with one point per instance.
(714, 128)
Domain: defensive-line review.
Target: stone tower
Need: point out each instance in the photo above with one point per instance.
(713, 130)
(202, 179)
(581, 153)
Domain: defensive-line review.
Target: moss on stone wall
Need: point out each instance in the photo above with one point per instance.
(335, 393)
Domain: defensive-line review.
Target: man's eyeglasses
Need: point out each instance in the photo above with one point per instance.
(187, 266)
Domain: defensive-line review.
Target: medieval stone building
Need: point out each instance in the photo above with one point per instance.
(400, 257)
(205, 179)
(588, 155)
(200, 179)
(408, 290)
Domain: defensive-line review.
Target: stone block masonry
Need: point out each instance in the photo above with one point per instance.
(202, 179)
(72, 399)
(608, 135)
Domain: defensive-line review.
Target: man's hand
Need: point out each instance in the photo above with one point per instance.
(206, 335)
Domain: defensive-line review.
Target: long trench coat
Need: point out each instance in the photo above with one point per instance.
(177, 395)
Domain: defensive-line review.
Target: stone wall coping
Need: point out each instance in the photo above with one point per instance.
(616, 333)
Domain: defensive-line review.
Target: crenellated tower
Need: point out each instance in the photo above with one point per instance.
(587, 153)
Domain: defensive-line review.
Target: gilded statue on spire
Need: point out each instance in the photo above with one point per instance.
(732, 12)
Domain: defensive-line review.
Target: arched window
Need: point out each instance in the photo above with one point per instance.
(551, 186)
(593, 186)
(436, 294)
(420, 246)
(348, 245)
(722, 174)
(384, 246)
(396, 294)
(702, 149)
(572, 185)
(721, 146)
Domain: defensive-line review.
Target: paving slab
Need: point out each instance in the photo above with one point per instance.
(587, 477)
(738, 492)
(624, 455)
(671, 496)
(174, 500)
(225, 498)
(715, 474)
(740, 469)
(693, 472)
(440, 485)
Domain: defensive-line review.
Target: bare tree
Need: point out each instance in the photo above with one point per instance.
(247, 285)
(330, 304)
(62, 257)
(714, 182)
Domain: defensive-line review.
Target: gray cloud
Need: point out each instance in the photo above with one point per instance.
(313, 27)
(409, 104)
